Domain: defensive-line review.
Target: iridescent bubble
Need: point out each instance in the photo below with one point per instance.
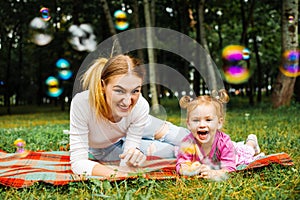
(246, 54)
(63, 66)
(62, 63)
(45, 14)
(291, 19)
(234, 68)
(82, 37)
(290, 65)
(20, 148)
(121, 22)
(53, 89)
(65, 74)
(20, 145)
(41, 33)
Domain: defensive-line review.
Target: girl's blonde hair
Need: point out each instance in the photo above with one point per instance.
(217, 99)
(100, 73)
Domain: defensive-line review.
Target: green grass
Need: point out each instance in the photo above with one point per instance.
(277, 131)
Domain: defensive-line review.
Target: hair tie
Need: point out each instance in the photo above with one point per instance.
(220, 95)
(215, 94)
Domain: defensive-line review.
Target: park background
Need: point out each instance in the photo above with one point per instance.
(36, 35)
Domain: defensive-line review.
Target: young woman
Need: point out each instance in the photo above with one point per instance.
(207, 151)
(110, 120)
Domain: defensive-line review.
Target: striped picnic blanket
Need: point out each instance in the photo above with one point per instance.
(23, 170)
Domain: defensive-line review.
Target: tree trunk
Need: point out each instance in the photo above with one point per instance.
(259, 68)
(284, 86)
(244, 41)
(112, 30)
(205, 60)
(20, 67)
(150, 36)
(140, 54)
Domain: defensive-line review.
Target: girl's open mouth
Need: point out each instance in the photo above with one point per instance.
(202, 132)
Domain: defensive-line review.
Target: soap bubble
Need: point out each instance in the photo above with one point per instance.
(64, 72)
(45, 14)
(53, 89)
(20, 147)
(40, 31)
(82, 37)
(62, 63)
(121, 22)
(234, 67)
(290, 65)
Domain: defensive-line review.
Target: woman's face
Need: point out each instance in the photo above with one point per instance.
(122, 93)
(203, 122)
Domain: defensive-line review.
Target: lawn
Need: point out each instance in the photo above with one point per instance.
(277, 130)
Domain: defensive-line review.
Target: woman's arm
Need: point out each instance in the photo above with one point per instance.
(102, 170)
(79, 143)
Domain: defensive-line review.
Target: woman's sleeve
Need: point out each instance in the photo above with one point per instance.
(227, 154)
(79, 144)
(138, 121)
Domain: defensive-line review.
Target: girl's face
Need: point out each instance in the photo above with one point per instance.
(122, 92)
(203, 122)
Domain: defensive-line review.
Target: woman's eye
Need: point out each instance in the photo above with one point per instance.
(119, 91)
(136, 91)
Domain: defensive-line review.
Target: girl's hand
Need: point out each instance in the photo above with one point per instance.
(208, 173)
(133, 157)
(190, 169)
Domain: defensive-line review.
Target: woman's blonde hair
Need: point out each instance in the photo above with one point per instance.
(217, 99)
(100, 73)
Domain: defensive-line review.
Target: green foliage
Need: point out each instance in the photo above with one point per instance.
(277, 131)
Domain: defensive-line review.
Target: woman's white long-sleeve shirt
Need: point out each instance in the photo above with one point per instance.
(88, 131)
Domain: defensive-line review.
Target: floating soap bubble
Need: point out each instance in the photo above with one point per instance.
(82, 37)
(53, 89)
(40, 31)
(63, 66)
(45, 14)
(121, 22)
(291, 19)
(234, 67)
(290, 65)
(65, 74)
(62, 63)
(20, 147)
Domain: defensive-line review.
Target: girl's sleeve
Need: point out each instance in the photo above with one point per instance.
(79, 144)
(227, 154)
(186, 154)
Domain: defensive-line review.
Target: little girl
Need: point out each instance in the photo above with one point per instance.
(207, 151)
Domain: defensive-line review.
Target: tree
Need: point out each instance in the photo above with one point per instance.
(110, 23)
(284, 86)
(150, 35)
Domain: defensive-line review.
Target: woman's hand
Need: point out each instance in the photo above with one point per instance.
(133, 157)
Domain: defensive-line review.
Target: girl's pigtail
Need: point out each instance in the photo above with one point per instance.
(221, 95)
(184, 101)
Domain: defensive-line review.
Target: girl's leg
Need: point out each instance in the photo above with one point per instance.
(252, 142)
